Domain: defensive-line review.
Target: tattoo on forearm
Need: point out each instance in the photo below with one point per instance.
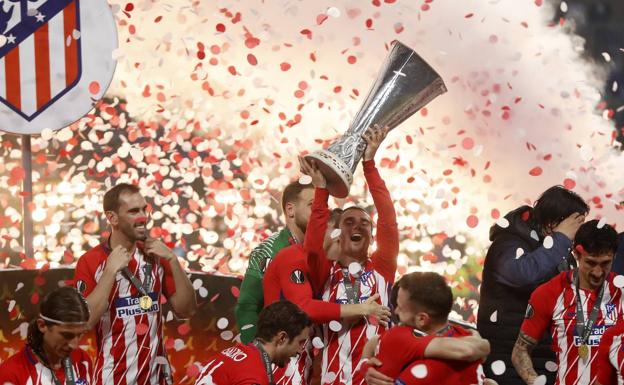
(521, 357)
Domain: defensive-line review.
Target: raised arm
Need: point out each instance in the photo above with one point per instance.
(319, 266)
(387, 237)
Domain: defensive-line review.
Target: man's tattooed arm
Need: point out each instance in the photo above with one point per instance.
(521, 358)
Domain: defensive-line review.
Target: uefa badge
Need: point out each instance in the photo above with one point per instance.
(55, 61)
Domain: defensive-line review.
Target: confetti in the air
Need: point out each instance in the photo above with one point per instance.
(419, 371)
(498, 367)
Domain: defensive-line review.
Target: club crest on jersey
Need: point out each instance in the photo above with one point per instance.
(130, 306)
(42, 53)
(297, 276)
(81, 381)
(368, 279)
(610, 313)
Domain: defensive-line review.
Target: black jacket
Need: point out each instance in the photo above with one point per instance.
(517, 261)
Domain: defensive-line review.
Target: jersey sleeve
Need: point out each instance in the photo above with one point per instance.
(168, 283)
(84, 276)
(318, 264)
(539, 312)
(295, 287)
(607, 374)
(387, 237)
(398, 347)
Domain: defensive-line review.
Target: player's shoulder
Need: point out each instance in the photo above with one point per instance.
(555, 285)
(400, 333)
(14, 365)
(95, 255)
(289, 255)
(271, 245)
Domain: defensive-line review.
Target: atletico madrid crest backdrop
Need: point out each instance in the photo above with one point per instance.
(56, 61)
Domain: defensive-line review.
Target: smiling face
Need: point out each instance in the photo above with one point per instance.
(131, 217)
(355, 233)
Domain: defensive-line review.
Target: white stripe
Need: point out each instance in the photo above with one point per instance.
(56, 39)
(560, 334)
(2, 80)
(28, 83)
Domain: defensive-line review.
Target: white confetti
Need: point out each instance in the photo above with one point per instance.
(203, 292)
(548, 242)
(618, 281)
(222, 323)
(534, 235)
(540, 380)
(335, 233)
(494, 316)
(519, 252)
(563, 7)
(503, 223)
(335, 326)
(305, 179)
(551, 366)
(419, 371)
(197, 284)
(227, 335)
(354, 268)
(606, 56)
(498, 367)
(333, 12)
(614, 86)
(602, 222)
(248, 326)
(318, 343)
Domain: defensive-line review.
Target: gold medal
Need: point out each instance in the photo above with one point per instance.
(145, 302)
(583, 351)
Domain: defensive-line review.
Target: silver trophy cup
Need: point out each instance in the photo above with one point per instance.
(405, 84)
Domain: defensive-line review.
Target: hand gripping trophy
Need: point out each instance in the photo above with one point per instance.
(405, 84)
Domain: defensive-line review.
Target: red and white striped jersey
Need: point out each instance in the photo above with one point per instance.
(344, 344)
(23, 368)
(610, 359)
(129, 339)
(553, 305)
(297, 372)
(236, 365)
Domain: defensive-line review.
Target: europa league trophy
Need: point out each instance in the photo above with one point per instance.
(405, 84)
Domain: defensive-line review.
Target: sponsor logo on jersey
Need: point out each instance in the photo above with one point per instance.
(594, 337)
(130, 306)
(234, 353)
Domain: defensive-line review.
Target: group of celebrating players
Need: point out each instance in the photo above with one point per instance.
(313, 292)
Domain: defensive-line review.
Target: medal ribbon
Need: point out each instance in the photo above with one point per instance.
(141, 287)
(70, 378)
(584, 329)
(266, 360)
(352, 290)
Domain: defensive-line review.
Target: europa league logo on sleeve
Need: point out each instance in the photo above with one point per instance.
(405, 84)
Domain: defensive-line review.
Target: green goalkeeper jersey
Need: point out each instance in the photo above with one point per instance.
(251, 298)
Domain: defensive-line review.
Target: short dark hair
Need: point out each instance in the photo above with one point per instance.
(595, 240)
(291, 193)
(64, 304)
(556, 204)
(111, 198)
(429, 291)
(281, 316)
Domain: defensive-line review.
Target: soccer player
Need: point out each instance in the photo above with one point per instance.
(287, 277)
(530, 246)
(426, 348)
(578, 306)
(610, 360)
(123, 279)
(51, 355)
(282, 331)
(356, 276)
(296, 206)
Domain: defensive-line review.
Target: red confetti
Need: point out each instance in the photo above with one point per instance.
(192, 371)
(220, 27)
(321, 18)
(472, 221)
(468, 143)
(538, 3)
(129, 7)
(251, 59)
(235, 291)
(569, 183)
(94, 87)
(468, 16)
(285, 66)
(536, 171)
(184, 329)
(351, 59)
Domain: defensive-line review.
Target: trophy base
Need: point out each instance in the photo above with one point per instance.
(337, 174)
